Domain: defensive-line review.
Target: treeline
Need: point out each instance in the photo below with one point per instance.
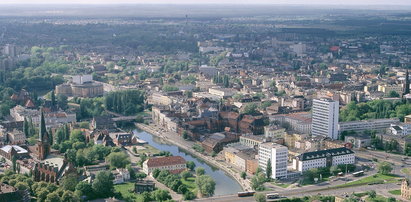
(376, 109)
(128, 102)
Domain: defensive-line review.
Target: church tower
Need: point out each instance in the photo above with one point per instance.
(43, 144)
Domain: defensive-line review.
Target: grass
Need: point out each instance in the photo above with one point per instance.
(190, 183)
(406, 171)
(283, 185)
(395, 192)
(374, 179)
(378, 198)
(123, 189)
(148, 150)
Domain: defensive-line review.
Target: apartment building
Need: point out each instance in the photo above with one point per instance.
(378, 125)
(278, 155)
(325, 118)
(323, 158)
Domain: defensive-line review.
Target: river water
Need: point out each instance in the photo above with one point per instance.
(224, 183)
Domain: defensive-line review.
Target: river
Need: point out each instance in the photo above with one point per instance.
(224, 183)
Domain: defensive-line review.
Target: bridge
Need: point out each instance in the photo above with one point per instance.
(120, 117)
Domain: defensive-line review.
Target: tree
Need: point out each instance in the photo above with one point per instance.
(189, 196)
(243, 175)
(268, 170)
(250, 108)
(185, 135)
(62, 101)
(384, 168)
(372, 194)
(156, 172)
(103, 184)
(259, 197)
(185, 174)
(391, 199)
(69, 182)
(334, 170)
(190, 165)
(141, 175)
(257, 182)
(77, 136)
(161, 195)
(14, 163)
(118, 159)
(68, 196)
(52, 197)
(205, 185)
(393, 94)
(200, 171)
(53, 98)
(84, 188)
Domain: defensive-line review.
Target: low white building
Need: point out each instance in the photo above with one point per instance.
(278, 155)
(323, 158)
(222, 92)
(372, 124)
(174, 164)
(120, 176)
(402, 129)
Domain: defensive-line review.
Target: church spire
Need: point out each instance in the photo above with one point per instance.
(43, 129)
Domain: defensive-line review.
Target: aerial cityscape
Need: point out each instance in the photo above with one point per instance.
(226, 101)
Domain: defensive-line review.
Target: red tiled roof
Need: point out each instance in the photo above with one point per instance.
(165, 161)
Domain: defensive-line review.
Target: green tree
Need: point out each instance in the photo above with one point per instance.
(185, 174)
(372, 194)
(384, 168)
(268, 170)
(161, 195)
(118, 159)
(205, 185)
(243, 175)
(14, 163)
(156, 173)
(103, 184)
(200, 171)
(393, 94)
(53, 197)
(69, 182)
(259, 197)
(257, 182)
(190, 165)
(77, 136)
(250, 108)
(84, 188)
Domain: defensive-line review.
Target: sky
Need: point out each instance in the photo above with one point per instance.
(307, 2)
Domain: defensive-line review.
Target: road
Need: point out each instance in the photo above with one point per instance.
(301, 193)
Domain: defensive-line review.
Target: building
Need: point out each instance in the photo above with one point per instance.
(358, 141)
(121, 138)
(298, 122)
(120, 176)
(174, 164)
(325, 118)
(52, 170)
(16, 137)
(43, 143)
(406, 189)
(144, 186)
(402, 129)
(9, 151)
(222, 92)
(388, 88)
(80, 86)
(252, 141)
(278, 156)
(323, 158)
(274, 132)
(378, 125)
(11, 194)
(19, 113)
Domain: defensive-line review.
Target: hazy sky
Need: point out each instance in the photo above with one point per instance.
(309, 2)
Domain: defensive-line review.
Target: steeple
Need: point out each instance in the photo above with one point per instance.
(43, 130)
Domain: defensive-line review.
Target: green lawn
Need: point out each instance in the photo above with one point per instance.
(406, 171)
(379, 198)
(281, 185)
(190, 183)
(395, 192)
(125, 193)
(148, 149)
(375, 179)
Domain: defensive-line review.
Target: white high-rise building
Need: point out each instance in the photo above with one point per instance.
(325, 118)
(278, 154)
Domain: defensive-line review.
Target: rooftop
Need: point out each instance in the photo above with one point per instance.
(325, 153)
(165, 161)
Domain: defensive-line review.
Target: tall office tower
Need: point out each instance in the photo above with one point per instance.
(278, 155)
(325, 118)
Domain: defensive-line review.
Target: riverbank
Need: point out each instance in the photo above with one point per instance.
(174, 139)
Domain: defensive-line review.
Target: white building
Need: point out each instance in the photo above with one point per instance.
(325, 118)
(372, 124)
(174, 164)
(222, 92)
(402, 129)
(323, 158)
(278, 154)
(299, 122)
